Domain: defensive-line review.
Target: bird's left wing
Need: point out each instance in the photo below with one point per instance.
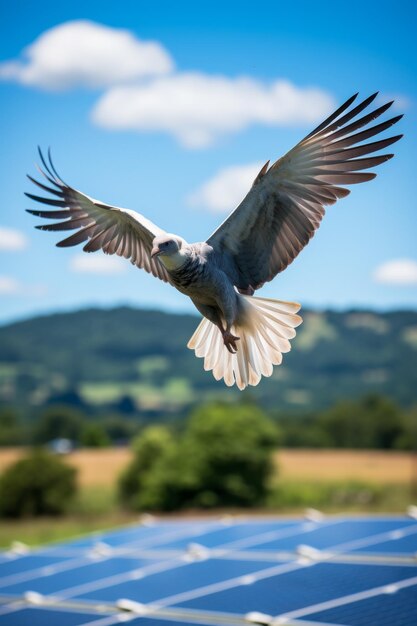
(114, 230)
(285, 206)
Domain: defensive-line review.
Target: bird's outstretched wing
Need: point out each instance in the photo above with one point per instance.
(284, 208)
(111, 229)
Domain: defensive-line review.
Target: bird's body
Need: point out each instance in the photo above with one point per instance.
(241, 336)
(203, 280)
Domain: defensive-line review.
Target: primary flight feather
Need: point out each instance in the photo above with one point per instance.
(241, 336)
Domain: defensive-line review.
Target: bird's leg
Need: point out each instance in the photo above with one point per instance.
(215, 316)
(227, 306)
(230, 340)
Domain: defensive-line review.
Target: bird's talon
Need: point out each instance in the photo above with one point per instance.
(230, 342)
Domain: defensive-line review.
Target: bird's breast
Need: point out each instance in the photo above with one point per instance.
(192, 276)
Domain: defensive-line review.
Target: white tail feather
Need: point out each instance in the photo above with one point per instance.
(264, 337)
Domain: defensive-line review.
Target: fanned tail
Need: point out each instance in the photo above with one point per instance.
(264, 333)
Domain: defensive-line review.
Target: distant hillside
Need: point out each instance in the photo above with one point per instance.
(131, 359)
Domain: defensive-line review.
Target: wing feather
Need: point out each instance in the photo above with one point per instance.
(111, 229)
(285, 206)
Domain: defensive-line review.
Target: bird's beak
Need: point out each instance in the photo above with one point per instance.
(155, 251)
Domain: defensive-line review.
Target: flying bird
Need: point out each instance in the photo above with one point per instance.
(241, 336)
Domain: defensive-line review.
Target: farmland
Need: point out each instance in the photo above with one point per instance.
(332, 480)
(100, 468)
(364, 465)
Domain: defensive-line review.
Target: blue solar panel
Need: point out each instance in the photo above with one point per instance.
(138, 534)
(41, 617)
(184, 577)
(401, 546)
(21, 564)
(232, 568)
(332, 534)
(300, 588)
(198, 621)
(389, 609)
(237, 532)
(48, 616)
(88, 572)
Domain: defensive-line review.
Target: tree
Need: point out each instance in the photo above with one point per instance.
(135, 492)
(372, 422)
(386, 418)
(39, 484)
(11, 432)
(224, 458)
(229, 451)
(119, 429)
(93, 435)
(303, 432)
(408, 438)
(59, 422)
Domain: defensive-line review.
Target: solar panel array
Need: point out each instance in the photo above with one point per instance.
(357, 571)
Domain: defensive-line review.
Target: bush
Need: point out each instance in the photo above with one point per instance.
(371, 422)
(224, 458)
(119, 429)
(229, 451)
(11, 432)
(136, 489)
(40, 484)
(59, 422)
(94, 436)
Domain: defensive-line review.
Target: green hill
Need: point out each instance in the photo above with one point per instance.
(136, 359)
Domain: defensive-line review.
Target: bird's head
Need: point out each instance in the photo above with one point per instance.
(166, 245)
(170, 250)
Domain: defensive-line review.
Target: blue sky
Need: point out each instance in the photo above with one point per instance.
(239, 62)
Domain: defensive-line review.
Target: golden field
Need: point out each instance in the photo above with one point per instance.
(101, 467)
(371, 466)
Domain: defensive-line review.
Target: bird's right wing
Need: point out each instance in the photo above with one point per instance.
(285, 206)
(111, 229)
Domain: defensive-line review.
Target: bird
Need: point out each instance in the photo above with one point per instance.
(241, 336)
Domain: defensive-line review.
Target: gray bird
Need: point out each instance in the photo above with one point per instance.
(241, 336)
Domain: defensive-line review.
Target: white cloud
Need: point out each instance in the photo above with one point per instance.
(401, 102)
(226, 189)
(11, 239)
(98, 264)
(9, 286)
(397, 272)
(197, 109)
(83, 53)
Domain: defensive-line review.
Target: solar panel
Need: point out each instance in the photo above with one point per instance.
(393, 608)
(330, 534)
(291, 589)
(399, 544)
(248, 533)
(40, 617)
(13, 565)
(348, 571)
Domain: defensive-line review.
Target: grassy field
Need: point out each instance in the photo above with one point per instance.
(333, 480)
